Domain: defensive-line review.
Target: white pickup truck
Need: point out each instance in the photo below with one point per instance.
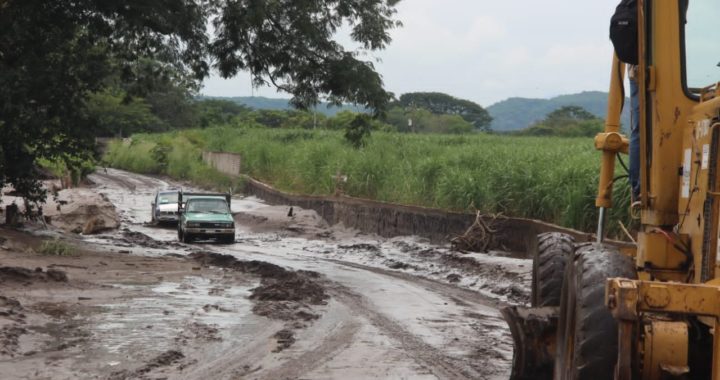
(165, 207)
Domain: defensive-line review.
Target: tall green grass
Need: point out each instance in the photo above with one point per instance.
(552, 179)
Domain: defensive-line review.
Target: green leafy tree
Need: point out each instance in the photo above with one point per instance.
(424, 121)
(218, 112)
(304, 119)
(116, 115)
(568, 121)
(341, 120)
(439, 103)
(54, 54)
(357, 133)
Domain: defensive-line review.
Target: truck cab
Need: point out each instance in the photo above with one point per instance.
(164, 207)
(205, 216)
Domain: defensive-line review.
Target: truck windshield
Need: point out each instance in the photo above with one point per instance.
(213, 206)
(702, 43)
(168, 198)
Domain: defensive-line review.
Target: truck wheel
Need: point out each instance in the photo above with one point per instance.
(228, 239)
(187, 238)
(587, 332)
(180, 234)
(551, 256)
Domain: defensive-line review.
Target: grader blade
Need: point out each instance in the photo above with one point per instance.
(533, 332)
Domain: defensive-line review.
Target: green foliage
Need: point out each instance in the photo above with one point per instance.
(424, 121)
(568, 121)
(55, 54)
(358, 132)
(443, 104)
(159, 153)
(548, 179)
(182, 156)
(118, 115)
(217, 112)
(56, 247)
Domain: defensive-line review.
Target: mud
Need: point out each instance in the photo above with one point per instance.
(27, 276)
(198, 331)
(165, 359)
(292, 298)
(517, 292)
(78, 210)
(297, 286)
(135, 238)
(11, 309)
(9, 339)
(283, 295)
(390, 220)
(277, 284)
(285, 338)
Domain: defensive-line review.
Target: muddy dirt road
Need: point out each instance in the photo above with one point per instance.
(292, 298)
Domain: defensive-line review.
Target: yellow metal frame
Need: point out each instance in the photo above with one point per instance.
(678, 241)
(630, 300)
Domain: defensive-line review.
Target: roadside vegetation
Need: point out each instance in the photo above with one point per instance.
(568, 121)
(56, 247)
(548, 178)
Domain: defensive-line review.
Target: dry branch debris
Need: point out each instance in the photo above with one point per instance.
(480, 236)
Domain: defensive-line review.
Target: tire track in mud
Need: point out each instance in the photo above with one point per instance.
(456, 293)
(333, 343)
(441, 365)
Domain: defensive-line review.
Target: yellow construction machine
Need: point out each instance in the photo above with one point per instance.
(652, 311)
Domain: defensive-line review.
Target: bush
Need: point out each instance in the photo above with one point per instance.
(56, 247)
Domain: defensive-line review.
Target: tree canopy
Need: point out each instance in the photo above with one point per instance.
(439, 103)
(568, 121)
(54, 55)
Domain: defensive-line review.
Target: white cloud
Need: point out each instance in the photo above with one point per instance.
(488, 50)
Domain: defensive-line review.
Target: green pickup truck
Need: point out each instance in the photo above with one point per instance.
(205, 216)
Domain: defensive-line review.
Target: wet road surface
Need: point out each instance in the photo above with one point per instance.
(394, 311)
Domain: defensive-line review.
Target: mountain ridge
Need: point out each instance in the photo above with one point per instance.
(509, 115)
(517, 113)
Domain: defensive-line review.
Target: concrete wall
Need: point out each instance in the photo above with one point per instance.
(227, 163)
(388, 220)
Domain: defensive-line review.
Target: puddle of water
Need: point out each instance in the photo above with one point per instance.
(158, 320)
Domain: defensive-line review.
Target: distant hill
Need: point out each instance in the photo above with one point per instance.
(518, 113)
(262, 103)
(508, 115)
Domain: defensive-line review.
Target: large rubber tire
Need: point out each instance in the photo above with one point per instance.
(551, 255)
(587, 331)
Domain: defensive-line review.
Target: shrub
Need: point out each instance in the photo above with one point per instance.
(56, 247)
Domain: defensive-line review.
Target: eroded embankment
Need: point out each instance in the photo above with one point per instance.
(389, 220)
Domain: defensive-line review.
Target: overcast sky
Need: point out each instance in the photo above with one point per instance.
(487, 50)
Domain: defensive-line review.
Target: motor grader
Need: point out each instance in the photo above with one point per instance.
(601, 310)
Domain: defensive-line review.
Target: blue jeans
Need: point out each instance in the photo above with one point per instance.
(634, 140)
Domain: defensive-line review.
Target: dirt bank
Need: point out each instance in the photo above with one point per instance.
(390, 220)
(79, 210)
